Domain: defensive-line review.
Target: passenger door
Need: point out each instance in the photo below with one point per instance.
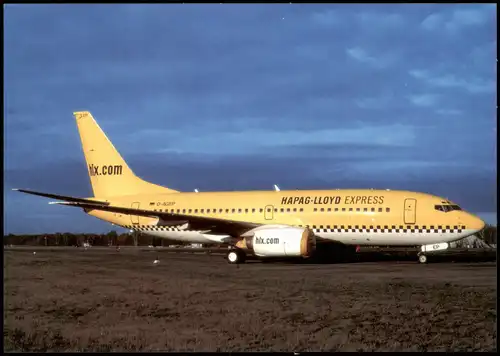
(410, 211)
(269, 212)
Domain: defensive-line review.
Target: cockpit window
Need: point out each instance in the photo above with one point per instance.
(446, 208)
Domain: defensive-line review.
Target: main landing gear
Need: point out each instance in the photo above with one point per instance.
(236, 256)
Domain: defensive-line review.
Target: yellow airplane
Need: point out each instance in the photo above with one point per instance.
(266, 224)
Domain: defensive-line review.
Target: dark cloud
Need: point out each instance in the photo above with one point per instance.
(404, 91)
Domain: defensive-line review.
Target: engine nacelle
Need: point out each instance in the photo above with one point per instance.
(280, 242)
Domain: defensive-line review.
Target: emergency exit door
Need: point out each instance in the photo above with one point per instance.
(269, 212)
(135, 218)
(410, 212)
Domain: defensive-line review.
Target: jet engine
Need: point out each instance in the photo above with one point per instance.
(279, 242)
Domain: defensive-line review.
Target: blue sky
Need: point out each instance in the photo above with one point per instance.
(230, 97)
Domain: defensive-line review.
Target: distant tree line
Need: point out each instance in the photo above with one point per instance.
(112, 238)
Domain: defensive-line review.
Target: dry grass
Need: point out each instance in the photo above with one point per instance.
(103, 300)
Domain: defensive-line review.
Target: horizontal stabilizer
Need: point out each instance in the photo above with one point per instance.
(63, 197)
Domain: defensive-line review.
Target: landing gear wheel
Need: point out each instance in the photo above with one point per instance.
(235, 257)
(422, 259)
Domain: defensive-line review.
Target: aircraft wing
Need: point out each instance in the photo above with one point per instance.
(214, 225)
(63, 197)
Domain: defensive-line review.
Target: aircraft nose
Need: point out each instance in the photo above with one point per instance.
(475, 223)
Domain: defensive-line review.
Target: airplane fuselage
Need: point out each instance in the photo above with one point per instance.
(354, 216)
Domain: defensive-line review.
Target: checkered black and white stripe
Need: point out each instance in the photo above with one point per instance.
(387, 229)
(337, 229)
(154, 228)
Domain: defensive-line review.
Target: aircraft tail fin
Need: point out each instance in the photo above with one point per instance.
(109, 173)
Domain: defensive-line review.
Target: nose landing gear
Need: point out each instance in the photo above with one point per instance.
(432, 249)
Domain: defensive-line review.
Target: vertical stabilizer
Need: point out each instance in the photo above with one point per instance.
(109, 173)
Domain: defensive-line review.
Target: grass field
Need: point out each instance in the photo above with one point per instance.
(102, 300)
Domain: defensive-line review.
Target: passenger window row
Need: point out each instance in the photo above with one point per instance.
(261, 210)
(353, 209)
(227, 211)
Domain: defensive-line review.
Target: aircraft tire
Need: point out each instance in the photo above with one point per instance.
(235, 257)
(422, 258)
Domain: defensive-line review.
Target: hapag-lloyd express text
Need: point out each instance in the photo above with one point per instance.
(349, 199)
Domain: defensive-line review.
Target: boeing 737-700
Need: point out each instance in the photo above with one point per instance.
(266, 224)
